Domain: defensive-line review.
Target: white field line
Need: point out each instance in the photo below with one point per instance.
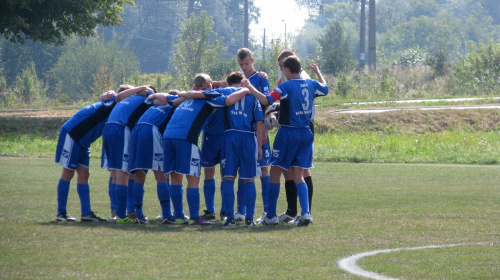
(376, 111)
(349, 264)
(420, 101)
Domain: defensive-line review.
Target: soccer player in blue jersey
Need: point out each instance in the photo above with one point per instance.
(181, 152)
(73, 152)
(241, 149)
(146, 153)
(116, 140)
(246, 62)
(293, 144)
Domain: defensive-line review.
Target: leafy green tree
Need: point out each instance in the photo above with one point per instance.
(73, 74)
(197, 51)
(337, 51)
(50, 22)
(28, 88)
(479, 72)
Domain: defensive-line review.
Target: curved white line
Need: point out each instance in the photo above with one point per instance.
(349, 264)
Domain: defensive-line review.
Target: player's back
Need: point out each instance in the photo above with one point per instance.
(129, 110)
(243, 114)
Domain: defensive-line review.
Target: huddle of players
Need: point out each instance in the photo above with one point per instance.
(143, 130)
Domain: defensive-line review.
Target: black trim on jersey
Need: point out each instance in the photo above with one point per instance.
(134, 117)
(81, 129)
(198, 123)
(284, 117)
(163, 125)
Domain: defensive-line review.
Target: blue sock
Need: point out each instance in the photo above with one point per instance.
(176, 195)
(274, 193)
(84, 194)
(250, 197)
(130, 197)
(62, 196)
(121, 200)
(138, 199)
(222, 205)
(303, 197)
(111, 193)
(241, 197)
(265, 181)
(193, 199)
(209, 193)
(228, 198)
(162, 189)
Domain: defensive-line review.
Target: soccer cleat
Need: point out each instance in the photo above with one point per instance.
(200, 222)
(250, 222)
(169, 221)
(273, 221)
(182, 221)
(222, 215)
(259, 220)
(125, 220)
(159, 217)
(208, 215)
(93, 218)
(65, 217)
(229, 222)
(285, 218)
(239, 217)
(113, 215)
(143, 220)
(304, 220)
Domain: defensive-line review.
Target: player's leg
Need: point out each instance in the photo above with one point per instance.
(310, 186)
(139, 178)
(67, 155)
(291, 198)
(62, 195)
(228, 198)
(163, 192)
(209, 193)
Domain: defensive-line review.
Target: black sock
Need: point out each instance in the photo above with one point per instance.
(291, 198)
(309, 184)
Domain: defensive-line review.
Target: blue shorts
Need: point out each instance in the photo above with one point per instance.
(69, 153)
(293, 147)
(211, 146)
(115, 141)
(146, 150)
(266, 155)
(240, 152)
(182, 157)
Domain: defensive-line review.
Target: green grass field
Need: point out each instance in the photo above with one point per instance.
(356, 208)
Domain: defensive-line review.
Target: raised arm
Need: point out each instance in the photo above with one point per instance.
(259, 95)
(131, 91)
(315, 69)
(236, 96)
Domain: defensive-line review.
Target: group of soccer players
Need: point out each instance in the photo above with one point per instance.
(144, 130)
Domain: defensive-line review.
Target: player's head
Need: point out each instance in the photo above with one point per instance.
(293, 64)
(235, 78)
(284, 54)
(144, 92)
(124, 87)
(246, 60)
(202, 82)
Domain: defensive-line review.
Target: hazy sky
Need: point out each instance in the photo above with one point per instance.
(272, 14)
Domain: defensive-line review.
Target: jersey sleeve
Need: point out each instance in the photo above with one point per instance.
(259, 114)
(321, 89)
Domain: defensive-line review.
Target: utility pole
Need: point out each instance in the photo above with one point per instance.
(372, 49)
(190, 8)
(246, 23)
(362, 37)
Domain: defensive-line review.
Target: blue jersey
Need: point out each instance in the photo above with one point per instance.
(86, 125)
(215, 122)
(259, 83)
(129, 110)
(190, 117)
(297, 100)
(243, 114)
(159, 115)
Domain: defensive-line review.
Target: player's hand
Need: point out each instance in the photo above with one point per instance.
(314, 67)
(246, 82)
(264, 75)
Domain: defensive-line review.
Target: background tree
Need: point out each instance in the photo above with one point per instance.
(198, 48)
(75, 73)
(337, 52)
(51, 22)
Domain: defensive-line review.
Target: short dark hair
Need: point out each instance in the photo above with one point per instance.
(284, 54)
(292, 63)
(202, 78)
(124, 87)
(234, 78)
(244, 53)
